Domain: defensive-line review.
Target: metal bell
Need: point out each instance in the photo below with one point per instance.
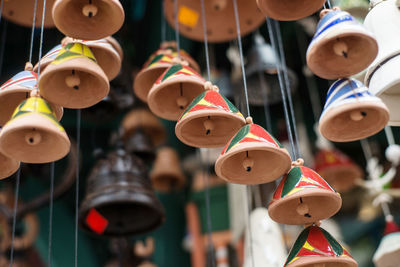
(140, 144)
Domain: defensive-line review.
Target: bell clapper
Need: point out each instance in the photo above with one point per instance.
(303, 209)
(340, 48)
(357, 115)
(181, 101)
(248, 163)
(33, 137)
(73, 80)
(299, 162)
(90, 10)
(208, 125)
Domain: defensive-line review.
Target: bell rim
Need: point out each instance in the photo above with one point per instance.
(116, 45)
(12, 166)
(263, 3)
(305, 261)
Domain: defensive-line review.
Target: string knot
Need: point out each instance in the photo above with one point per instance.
(249, 120)
(299, 162)
(28, 66)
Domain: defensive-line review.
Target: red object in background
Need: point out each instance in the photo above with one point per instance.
(96, 222)
(391, 227)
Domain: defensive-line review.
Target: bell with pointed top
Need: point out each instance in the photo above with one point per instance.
(288, 9)
(174, 90)
(88, 20)
(351, 112)
(341, 46)
(74, 79)
(303, 197)
(209, 121)
(388, 252)
(33, 134)
(8, 166)
(252, 156)
(316, 247)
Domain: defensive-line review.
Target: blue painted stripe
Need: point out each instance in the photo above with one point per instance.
(333, 23)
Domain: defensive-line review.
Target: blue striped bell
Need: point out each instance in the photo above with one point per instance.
(341, 46)
(351, 112)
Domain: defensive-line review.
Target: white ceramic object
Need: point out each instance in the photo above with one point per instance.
(388, 252)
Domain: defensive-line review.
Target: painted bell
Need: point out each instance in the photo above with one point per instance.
(388, 252)
(337, 169)
(220, 17)
(167, 174)
(8, 166)
(174, 90)
(252, 156)
(33, 134)
(351, 112)
(87, 20)
(383, 78)
(119, 199)
(341, 46)
(209, 121)
(74, 79)
(48, 58)
(316, 247)
(303, 197)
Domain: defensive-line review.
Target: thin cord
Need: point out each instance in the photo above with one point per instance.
(389, 135)
(328, 3)
(203, 16)
(33, 32)
(267, 112)
(177, 37)
(41, 38)
(248, 219)
(163, 23)
(17, 182)
(52, 165)
(78, 143)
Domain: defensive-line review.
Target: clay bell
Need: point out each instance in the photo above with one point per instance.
(33, 134)
(167, 174)
(8, 166)
(341, 46)
(316, 247)
(88, 20)
(252, 156)
(174, 90)
(303, 197)
(48, 58)
(388, 252)
(74, 79)
(288, 9)
(119, 198)
(209, 121)
(351, 112)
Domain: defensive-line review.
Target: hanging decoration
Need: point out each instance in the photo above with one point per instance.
(288, 9)
(21, 12)
(388, 252)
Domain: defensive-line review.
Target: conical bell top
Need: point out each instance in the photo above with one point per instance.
(74, 79)
(209, 121)
(252, 156)
(88, 20)
(388, 252)
(167, 174)
(8, 166)
(33, 134)
(48, 58)
(288, 9)
(316, 247)
(337, 169)
(174, 90)
(351, 112)
(341, 46)
(119, 198)
(303, 197)
(140, 144)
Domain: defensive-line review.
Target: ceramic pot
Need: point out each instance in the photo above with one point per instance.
(21, 12)
(351, 112)
(289, 9)
(8, 166)
(388, 252)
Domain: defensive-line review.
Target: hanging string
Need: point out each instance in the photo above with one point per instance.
(177, 37)
(78, 143)
(267, 113)
(41, 38)
(163, 23)
(203, 16)
(389, 135)
(17, 182)
(328, 4)
(33, 32)
(52, 165)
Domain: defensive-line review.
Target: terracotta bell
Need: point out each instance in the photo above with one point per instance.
(33, 134)
(341, 46)
(220, 17)
(316, 247)
(119, 199)
(252, 156)
(8, 166)
(289, 10)
(337, 169)
(74, 79)
(388, 252)
(351, 112)
(167, 174)
(88, 20)
(174, 90)
(303, 197)
(17, 89)
(383, 78)
(209, 121)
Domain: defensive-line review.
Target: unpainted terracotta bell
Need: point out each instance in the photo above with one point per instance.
(33, 134)
(288, 9)
(167, 174)
(303, 197)
(209, 121)
(220, 17)
(74, 79)
(341, 46)
(252, 156)
(174, 90)
(8, 166)
(315, 247)
(88, 20)
(337, 169)
(351, 112)
(388, 252)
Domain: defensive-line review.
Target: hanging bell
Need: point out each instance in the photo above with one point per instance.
(8, 166)
(88, 19)
(351, 112)
(167, 174)
(119, 199)
(382, 77)
(140, 144)
(303, 197)
(209, 121)
(388, 252)
(115, 44)
(341, 46)
(33, 134)
(74, 79)
(316, 247)
(252, 156)
(288, 9)
(48, 58)
(337, 169)
(220, 18)
(174, 90)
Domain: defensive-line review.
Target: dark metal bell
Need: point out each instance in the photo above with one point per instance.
(141, 145)
(120, 200)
